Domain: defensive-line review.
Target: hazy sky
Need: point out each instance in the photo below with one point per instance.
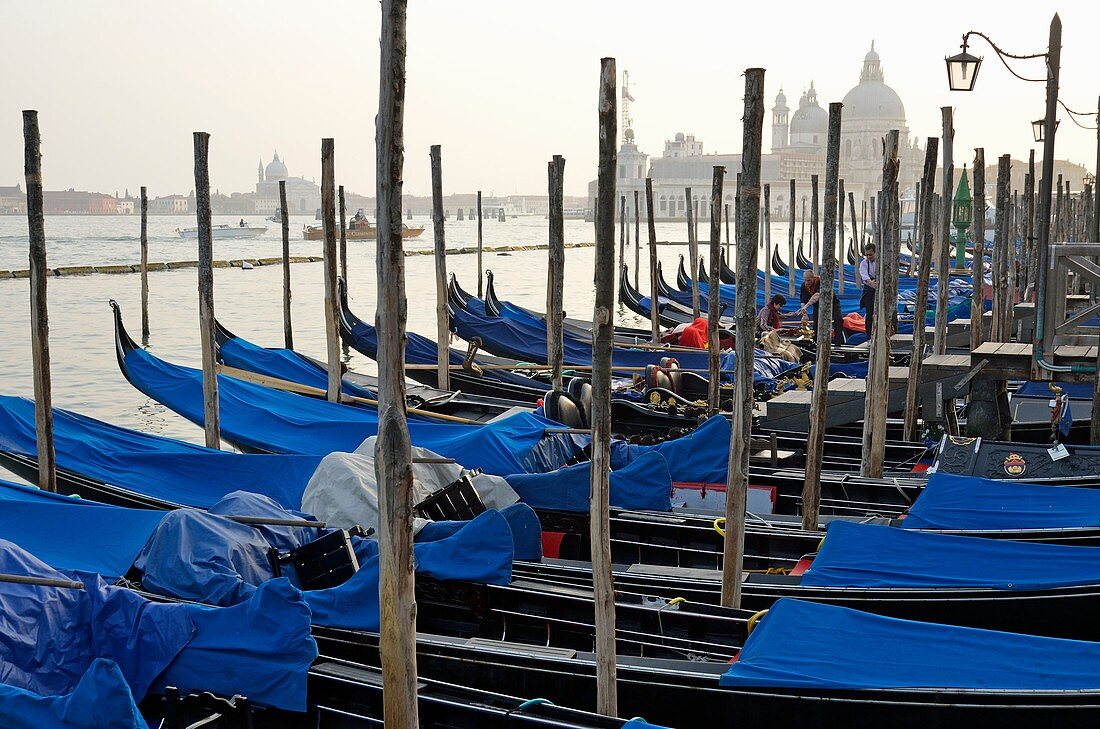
(501, 84)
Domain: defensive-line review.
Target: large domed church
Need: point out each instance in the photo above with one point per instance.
(871, 110)
(302, 195)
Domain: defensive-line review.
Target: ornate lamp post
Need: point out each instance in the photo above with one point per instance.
(962, 215)
(962, 72)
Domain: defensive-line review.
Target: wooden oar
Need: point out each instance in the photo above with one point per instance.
(300, 389)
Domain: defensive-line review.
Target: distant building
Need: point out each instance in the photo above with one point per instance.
(77, 202)
(171, 205)
(302, 195)
(871, 109)
(12, 201)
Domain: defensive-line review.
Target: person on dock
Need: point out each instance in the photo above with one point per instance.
(868, 271)
(809, 294)
(771, 316)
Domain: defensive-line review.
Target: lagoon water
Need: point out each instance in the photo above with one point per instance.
(248, 302)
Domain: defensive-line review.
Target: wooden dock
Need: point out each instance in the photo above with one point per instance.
(1013, 361)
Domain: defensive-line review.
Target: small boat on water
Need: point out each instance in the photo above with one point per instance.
(242, 230)
(359, 228)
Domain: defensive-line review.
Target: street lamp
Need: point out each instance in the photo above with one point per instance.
(961, 76)
(962, 70)
(1038, 126)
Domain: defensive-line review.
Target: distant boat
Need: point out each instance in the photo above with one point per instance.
(225, 231)
(359, 228)
(276, 218)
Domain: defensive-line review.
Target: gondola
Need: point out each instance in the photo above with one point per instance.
(669, 314)
(727, 275)
(290, 366)
(853, 259)
(496, 383)
(778, 266)
(803, 262)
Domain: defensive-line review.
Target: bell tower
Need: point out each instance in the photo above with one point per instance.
(780, 122)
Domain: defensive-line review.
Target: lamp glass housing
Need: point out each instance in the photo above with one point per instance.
(1038, 127)
(962, 71)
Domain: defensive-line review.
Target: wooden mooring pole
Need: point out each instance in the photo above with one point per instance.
(977, 294)
(211, 422)
(713, 294)
(815, 231)
(745, 315)
(623, 235)
(343, 234)
(144, 266)
(1002, 313)
(288, 327)
(329, 254)
(442, 317)
(637, 239)
(480, 247)
(392, 450)
(767, 223)
(654, 311)
(920, 310)
(791, 289)
(693, 254)
(603, 589)
(878, 367)
(943, 277)
(555, 284)
(840, 247)
(40, 320)
(819, 398)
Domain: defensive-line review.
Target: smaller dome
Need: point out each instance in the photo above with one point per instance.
(275, 169)
(679, 136)
(780, 98)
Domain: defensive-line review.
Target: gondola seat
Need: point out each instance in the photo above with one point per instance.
(803, 564)
(323, 563)
(672, 367)
(580, 390)
(561, 408)
(457, 501)
(657, 378)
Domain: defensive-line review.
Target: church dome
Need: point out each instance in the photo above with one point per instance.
(810, 117)
(275, 169)
(872, 98)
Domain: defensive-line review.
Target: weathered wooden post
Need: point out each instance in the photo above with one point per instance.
(603, 589)
(211, 424)
(288, 328)
(637, 239)
(767, 242)
(726, 215)
(555, 285)
(693, 254)
(745, 314)
(943, 280)
(1032, 242)
(839, 233)
(815, 239)
(856, 239)
(714, 305)
(144, 266)
(329, 253)
(392, 454)
(791, 266)
(1001, 317)
(442, 317)
(878, 367)
(977, 293)
(736, 224)
(480, 222)
(622, 234)
(819, 398)
(920, 311)
(343, 235)
(40, 320)
(654, 311)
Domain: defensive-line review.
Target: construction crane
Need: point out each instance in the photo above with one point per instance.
(628, 122)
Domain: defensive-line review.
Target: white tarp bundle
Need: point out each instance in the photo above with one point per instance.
(343, 491)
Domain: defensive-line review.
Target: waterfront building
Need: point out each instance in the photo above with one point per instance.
(798, 140)
(12, 201)
(171, 205)
(302, 195)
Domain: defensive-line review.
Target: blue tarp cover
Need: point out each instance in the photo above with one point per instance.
(807, 645)
(171, 470)
(285, 364)
(260, 417)
(701, 456)
(968, 502)
(101, 699)
(1075, 390)
(644, 483)
(869, 555)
